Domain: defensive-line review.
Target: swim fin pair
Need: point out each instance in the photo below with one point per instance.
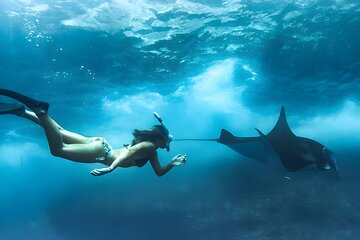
(11, 108)
(38, 107)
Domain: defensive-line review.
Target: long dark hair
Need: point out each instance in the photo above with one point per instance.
(156, 132)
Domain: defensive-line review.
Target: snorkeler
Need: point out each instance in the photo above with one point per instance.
(75, 147)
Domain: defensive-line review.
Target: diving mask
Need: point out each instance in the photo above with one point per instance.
(169, 137)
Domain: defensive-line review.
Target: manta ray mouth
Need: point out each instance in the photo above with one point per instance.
(331, 160)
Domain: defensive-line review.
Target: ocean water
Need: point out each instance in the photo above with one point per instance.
(105, 66)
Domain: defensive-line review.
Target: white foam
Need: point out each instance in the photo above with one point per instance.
(25, 1)
(291, 15)
(341, 126)
(18, 152)
(11, 13)
(39, 8)
(248, 68)
(133, 17)
(149, 101)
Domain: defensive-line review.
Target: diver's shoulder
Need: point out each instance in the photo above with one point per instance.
(144, 145)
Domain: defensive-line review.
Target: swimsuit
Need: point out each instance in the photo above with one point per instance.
(138, 162)
(141, 162)
(107, 149)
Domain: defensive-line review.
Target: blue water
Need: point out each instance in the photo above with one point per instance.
(203, 65)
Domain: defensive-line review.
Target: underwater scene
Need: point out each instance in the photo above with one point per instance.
(260, 97)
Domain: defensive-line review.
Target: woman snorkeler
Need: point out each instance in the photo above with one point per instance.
(75, 147)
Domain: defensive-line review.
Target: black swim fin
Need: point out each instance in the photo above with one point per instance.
(12, 108)
(38, 107)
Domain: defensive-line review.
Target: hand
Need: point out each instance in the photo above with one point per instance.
(178, 160)
(101, 171)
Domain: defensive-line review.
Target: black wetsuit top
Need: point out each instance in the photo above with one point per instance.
(141, 162)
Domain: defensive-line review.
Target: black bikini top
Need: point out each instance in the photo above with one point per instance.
(141, 162)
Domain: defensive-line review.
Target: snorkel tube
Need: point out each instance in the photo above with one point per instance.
(169, 137)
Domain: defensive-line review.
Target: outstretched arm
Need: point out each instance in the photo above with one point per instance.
(178, 160)
(101, 171)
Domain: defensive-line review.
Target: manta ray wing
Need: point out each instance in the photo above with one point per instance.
(294, 152)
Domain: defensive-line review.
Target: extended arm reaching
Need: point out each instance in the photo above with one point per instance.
(178, 160)
(101, 171)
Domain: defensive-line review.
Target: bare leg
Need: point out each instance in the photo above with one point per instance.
(53, 134)
(74, 138)
(85, 152)
(68, 137)
(31, 116)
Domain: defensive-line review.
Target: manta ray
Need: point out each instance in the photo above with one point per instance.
(294, 152)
